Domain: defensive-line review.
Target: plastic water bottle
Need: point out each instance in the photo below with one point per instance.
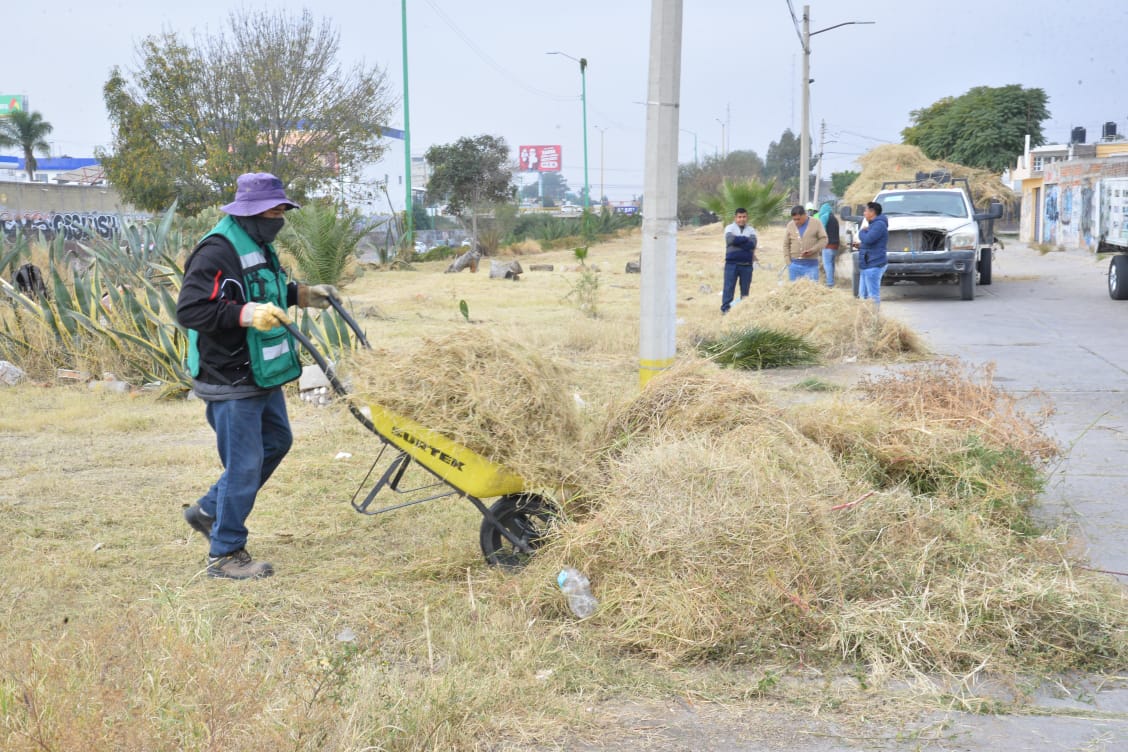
(577, 589)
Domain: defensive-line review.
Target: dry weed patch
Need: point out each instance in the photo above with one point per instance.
(879, 532)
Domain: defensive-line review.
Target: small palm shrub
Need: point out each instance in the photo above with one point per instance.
(322, 241)
(758, 349)
(763, 202)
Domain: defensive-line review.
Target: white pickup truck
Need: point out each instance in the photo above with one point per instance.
(1113, 215)
(935, 235)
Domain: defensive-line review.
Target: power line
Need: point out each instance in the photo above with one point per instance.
(493, 63)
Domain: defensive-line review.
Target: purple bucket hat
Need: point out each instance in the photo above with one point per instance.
(256, 192)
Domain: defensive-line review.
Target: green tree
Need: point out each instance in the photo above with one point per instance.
(470, 175)
(782, 161)
(266, 96)
(985, 127)
(763, 202)
(840, 181)
(28, 132)
(550, 188)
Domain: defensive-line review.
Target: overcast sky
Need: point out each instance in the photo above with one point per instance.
(480, 66)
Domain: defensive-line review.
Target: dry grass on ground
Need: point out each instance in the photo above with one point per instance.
(877, 533)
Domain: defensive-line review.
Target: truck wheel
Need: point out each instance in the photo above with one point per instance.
(1118, 278)
(985, 259)
(967, 285)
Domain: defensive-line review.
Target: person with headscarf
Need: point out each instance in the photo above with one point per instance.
(830, 252)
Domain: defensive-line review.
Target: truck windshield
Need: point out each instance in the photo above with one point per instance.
(923, 203)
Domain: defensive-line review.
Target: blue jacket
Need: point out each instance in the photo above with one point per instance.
(739, 244)
(872, 251)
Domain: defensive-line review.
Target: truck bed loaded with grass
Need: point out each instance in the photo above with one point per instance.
(935, 233)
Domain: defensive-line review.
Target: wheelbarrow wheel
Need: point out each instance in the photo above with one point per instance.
(528, 517)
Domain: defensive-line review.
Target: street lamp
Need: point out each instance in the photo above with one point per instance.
(694, 134)
(601, 130)
(805, 138)
(724, 150)
(583, 105)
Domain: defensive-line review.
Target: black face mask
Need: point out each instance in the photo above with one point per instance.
(261, 229)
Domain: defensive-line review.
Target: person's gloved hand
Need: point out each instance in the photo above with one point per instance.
(316, 296)
(263, 316)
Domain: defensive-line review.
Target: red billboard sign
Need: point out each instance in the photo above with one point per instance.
(539, 158)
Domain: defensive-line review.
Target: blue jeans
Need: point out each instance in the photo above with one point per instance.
(869, 283)
(734, 272)
(807, 269)
(252, 435)
(828, 255)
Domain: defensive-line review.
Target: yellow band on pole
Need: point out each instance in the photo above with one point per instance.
(648, 369)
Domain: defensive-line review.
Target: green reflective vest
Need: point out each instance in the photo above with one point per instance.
(273, 354)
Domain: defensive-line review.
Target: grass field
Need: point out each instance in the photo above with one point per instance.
(753, 544)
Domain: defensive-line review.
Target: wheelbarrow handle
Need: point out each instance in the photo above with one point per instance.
(330, 374)
(340, 308)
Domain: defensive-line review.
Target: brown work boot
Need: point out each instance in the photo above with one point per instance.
(238, 565)
(198, 520)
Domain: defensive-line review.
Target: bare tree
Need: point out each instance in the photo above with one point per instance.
(266, 96)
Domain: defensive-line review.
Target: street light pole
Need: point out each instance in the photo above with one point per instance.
(805, 137)
(602, 190)
(408, 209)
(724, 149)
(583, 106)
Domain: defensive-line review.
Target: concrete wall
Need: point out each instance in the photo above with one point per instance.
(1074, 206)
(74, 210)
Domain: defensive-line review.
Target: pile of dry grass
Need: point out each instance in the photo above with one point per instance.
(839, 324)
(903, 162)
(723, 529)
(485, 391)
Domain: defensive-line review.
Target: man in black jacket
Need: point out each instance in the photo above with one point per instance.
(233, 301)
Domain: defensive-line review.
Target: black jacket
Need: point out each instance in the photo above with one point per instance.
(211, 299)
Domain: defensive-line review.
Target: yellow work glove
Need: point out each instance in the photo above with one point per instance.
(316, 296)
(263, 316)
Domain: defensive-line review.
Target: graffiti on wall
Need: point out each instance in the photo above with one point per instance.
(1049, 226)
(69, 225)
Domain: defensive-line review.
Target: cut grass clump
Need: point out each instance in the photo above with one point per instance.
(756, 349)
(854, 530)
(838, 324)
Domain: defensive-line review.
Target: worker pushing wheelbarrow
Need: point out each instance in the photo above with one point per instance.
(512, 528)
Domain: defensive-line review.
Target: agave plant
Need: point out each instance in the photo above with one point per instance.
(762, 201)
(121, 312)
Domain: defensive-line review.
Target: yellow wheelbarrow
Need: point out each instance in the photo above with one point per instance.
(512, 528)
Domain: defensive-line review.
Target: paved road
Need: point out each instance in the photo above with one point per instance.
(1048, 324)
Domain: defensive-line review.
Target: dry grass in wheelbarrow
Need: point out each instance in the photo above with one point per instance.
(490, 393)
(726, 529)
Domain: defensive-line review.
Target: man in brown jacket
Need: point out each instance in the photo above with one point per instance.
(803, 242)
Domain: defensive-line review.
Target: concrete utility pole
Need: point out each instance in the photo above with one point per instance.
(818, 172)
(805, 138)
(658, 309)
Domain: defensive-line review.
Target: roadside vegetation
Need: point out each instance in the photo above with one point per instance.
(860, 550)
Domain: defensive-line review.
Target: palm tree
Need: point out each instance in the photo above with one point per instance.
(28, 131)
(763, 203)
